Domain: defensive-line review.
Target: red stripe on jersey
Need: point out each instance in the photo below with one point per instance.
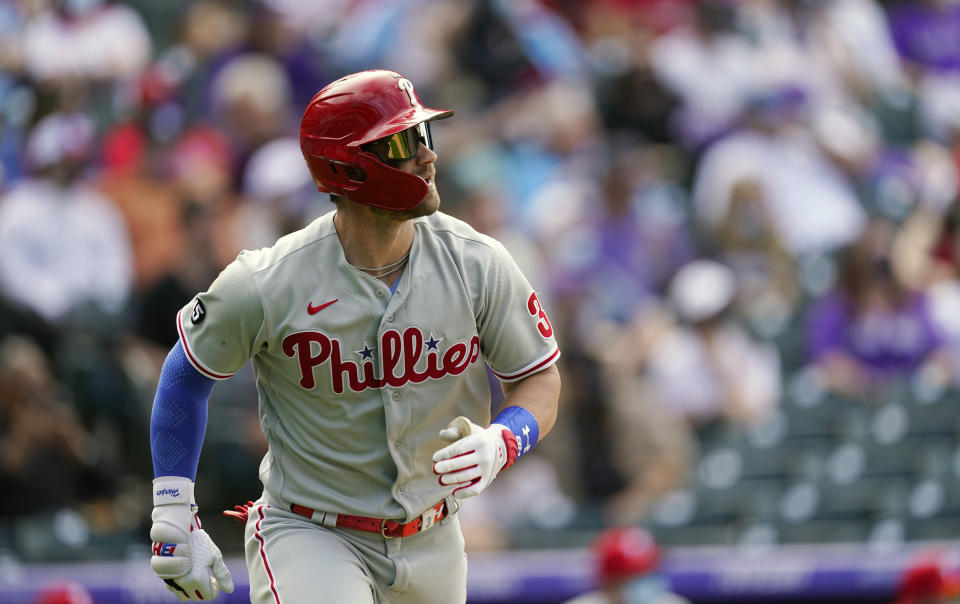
(525, 372)
(193, 360)
(263, 555)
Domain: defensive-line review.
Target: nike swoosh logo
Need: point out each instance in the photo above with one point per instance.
(315, 309)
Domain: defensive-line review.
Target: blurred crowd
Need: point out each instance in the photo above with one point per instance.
(710, 196)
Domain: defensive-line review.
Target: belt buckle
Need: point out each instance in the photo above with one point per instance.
(387, 524)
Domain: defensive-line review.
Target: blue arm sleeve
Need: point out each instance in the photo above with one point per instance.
(179, 417)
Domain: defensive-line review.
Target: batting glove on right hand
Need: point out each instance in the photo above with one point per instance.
(184, 555)
(476, 456)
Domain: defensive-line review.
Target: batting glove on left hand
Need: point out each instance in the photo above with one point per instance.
(476, 456)
(184, 555)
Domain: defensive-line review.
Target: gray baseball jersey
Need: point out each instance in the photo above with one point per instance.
(355, 383)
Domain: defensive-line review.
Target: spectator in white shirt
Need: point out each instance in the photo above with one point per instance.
(63, 245)
(88, 39)
(810, 201)
(707, 368)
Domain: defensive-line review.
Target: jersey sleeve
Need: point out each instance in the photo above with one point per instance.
(515, 333)
(221, 328)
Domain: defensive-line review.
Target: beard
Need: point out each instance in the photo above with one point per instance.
(427, 206)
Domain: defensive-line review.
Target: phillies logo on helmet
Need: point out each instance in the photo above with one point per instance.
(407, 86)
(401, 354)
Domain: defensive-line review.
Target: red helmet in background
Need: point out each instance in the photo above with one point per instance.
(355, 110)
(929, 576)
(63, 592)
(625, 553)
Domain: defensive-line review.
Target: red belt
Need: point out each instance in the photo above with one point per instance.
(386, 527)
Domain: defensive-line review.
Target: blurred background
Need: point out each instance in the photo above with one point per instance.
(742, 216)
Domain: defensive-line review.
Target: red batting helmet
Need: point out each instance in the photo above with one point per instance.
(625, 552)
(355, 110)
(63, 592)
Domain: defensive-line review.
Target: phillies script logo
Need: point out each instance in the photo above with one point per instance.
(400, 354)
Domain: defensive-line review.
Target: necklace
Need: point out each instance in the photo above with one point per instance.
(389, 272)
(389, 268)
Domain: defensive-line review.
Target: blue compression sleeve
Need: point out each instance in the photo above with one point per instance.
(179, 417)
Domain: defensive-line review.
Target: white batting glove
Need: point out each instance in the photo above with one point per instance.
(476, 456)
(184, 555)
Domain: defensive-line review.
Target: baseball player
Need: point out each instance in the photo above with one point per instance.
(369, 331)
(627, 561)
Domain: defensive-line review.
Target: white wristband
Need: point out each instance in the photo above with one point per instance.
(172, 490)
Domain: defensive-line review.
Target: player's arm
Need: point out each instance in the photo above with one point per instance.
(477, 455)
(178, 420)
(184, 556)
(538, 394)
(518, 341)
(219, 330)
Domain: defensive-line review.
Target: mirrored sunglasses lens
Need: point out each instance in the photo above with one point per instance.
(423, 130)
(403, 144)
(396, 147)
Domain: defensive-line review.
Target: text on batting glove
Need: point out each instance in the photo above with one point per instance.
(184, 555)
(475, 456)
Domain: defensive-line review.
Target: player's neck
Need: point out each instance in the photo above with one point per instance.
(370, 239)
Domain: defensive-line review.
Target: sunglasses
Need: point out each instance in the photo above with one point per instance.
(402, 146)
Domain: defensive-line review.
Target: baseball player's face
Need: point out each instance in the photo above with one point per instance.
(411, 151)
(424, 166)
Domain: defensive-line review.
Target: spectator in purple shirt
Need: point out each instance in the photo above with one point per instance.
(927, 37)
(872, 330)
(631, 241)
(927, 33)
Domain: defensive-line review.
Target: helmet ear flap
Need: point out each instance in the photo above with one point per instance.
(336, 174)
(367, 181)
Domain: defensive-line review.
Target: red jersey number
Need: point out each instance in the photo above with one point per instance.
(533, 305)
